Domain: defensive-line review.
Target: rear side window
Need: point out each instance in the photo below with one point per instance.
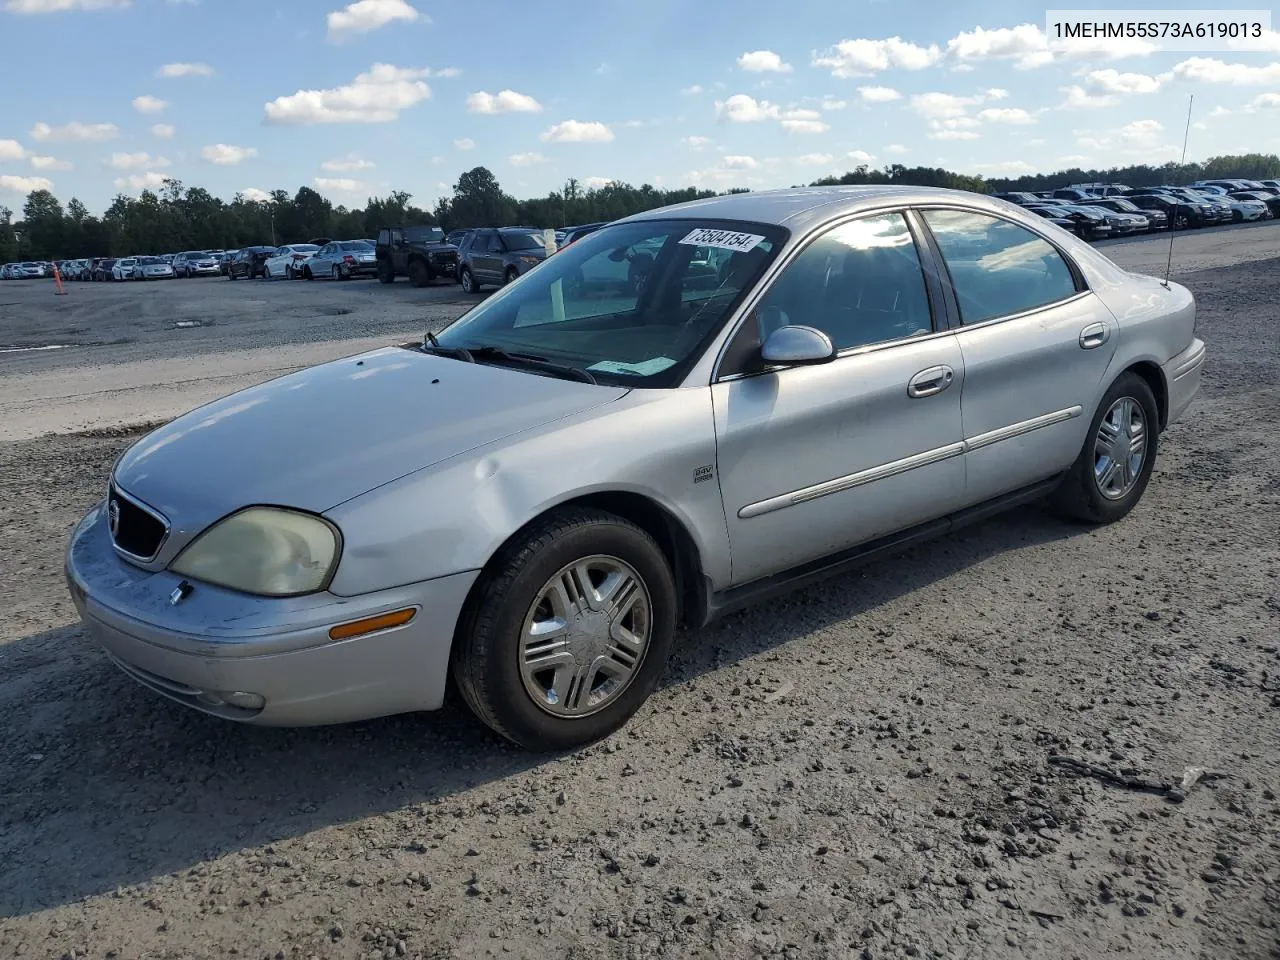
(998, 268)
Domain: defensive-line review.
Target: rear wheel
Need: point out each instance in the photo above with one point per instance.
(1113, 468)
(419, 273)
(569, 631)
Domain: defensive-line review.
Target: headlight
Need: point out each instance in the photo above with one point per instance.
(264, 550)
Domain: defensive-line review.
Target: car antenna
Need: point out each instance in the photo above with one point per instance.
(1168, 267)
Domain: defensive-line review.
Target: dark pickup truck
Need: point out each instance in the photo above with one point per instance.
(419, 253)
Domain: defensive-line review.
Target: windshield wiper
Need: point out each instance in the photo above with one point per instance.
(432, 345)
(529, 359)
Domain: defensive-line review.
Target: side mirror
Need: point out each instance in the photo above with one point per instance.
(797, 345)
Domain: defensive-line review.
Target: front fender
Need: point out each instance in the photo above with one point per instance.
(454, 515)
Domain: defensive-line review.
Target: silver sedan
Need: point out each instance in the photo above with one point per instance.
(684, 412)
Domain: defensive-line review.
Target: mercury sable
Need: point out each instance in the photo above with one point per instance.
(688, 410)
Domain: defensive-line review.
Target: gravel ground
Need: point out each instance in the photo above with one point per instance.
(890, 764)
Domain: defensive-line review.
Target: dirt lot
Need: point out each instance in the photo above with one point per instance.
(872, 768)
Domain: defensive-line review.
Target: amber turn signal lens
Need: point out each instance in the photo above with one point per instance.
(383, 621)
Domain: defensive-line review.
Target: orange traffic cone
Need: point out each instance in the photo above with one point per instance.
(57, 282)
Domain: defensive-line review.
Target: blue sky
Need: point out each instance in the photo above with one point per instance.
(107, 96)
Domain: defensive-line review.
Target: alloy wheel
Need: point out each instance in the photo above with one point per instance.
(1119, 448)
(585, 636)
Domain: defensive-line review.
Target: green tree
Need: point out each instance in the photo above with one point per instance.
(44, 228)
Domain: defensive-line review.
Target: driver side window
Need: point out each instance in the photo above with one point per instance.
(860, 283)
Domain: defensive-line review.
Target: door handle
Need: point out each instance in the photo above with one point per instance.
(1094, 335)
(929, 382)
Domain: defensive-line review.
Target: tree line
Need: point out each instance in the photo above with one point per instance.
(177, 217)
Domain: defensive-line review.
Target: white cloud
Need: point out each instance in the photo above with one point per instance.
(448, 73)
(348, 163)
(339, 184)
(57, 6)
(504, 101)
(254, 195)
(226, 154)
(1209, 70)
(364, 16)
(163, 131)
(14, 184)
(577, 131)
(691, 91)
(804, 121)
(763, 61)
(878, 94)
(91, 132)
(11, 150)
(1005, 168)
(995, 93)
(1078, 98)
(940, 106)
(695, 143)
(831, 103)
(740, 163)
(141, 181)
(1265, 101)
(1269, 42)
(1142, 132)
(149, 104)
(860, 58)
(896, 149)
(530, 159)
(1113, 81)
(859, 156)
(377, 96)
(1025, 43)
(596, 183)
(185, 70)
(814, 159)
(953, 135)
(743, 108)
(1011, 115)
(465, 143)
(1076, 160)
(135, 161)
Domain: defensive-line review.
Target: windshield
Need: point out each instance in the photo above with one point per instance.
(149, 261)
(303, 248)
(633, 303)
(519, 240)
(1125, 205)
(421, 234)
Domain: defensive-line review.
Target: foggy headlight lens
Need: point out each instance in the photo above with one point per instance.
(263, 550)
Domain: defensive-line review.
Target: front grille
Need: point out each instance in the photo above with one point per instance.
(444, 257)
(135, 529)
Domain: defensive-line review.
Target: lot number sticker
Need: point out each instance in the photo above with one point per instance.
(722, 239)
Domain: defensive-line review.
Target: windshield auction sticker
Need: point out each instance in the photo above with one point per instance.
(722, 239)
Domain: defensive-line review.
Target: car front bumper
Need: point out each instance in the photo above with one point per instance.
(1182, 375)
(218, 642)
(204, 271)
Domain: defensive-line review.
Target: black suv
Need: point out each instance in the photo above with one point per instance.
(248, 262)
(420, 253)
(495, 256)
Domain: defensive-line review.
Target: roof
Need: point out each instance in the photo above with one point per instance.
(799, 206)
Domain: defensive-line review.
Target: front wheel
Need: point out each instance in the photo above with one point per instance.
(568, 631)
(468, 281)
(512, 275)
(266, 274)
(1113, 468)
(385, 273)
(419, 274)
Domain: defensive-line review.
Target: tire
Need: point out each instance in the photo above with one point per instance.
(266, 273)
(419, 273)
(512, 275)
(231, 274)
(307, 274)
(468, 281)
(1086, 496)
(385, 273)
(487, 650)
(289, 272)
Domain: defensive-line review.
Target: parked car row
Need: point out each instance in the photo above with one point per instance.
(1096, 211)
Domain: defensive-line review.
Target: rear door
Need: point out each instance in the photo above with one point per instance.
(488, 258)
(1036, 344)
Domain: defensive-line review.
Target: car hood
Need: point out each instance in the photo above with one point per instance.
(320, 436)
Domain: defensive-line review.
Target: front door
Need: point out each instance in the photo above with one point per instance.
(1036, 344)
(815, 459)
(399, 254)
